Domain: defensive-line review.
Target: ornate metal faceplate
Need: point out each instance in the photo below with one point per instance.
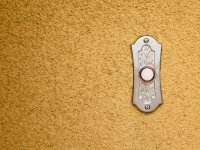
(146, 55)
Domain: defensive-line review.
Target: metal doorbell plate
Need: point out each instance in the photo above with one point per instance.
(146, 54)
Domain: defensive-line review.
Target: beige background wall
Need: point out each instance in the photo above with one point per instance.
(66, 74)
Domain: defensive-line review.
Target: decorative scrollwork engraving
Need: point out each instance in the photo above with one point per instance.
(146, 56)
(146, 90)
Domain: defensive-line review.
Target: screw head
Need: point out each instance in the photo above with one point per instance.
(146, 40)
(147, 107)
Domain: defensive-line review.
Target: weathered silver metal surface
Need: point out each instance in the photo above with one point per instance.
(146, 55)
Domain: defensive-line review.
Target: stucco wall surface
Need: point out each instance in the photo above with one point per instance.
(66, 74)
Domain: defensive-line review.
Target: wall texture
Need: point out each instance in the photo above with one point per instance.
(66, 74)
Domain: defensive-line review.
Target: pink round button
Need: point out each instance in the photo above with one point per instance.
(147, 74)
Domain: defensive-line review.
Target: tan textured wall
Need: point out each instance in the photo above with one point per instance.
(66, 75)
